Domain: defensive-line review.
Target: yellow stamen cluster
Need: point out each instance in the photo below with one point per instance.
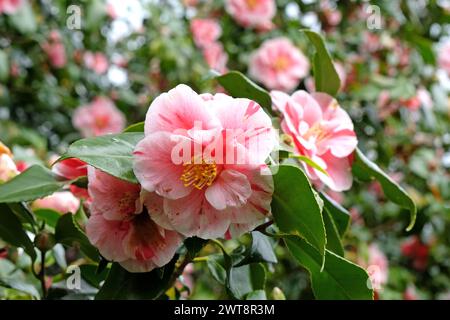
(199, 175)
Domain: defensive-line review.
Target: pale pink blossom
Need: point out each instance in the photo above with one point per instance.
(62, 202)
(444, 57)
(8, 168)
(209, 193)
(55, 50)
(205, 31)
(377, 267)
(10, 6)
(252, 13)
(96, 61)
(100, 117)
(216, 57)
(121, 224)
(278, 64)
(321, 130)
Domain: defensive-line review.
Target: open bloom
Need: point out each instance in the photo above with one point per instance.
(96, 61)
(252, 13)
(216, 57)
(98, 118)
(205, 31)
(278, 64)
(54, 48)
(205, 155)
(121, 224)
(62, 202)
(72, 169)
(444, 57)
(321, 130)
(10, 6)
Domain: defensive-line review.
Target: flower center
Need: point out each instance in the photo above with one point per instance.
(281, 63)
(316, 131)
(101, 122)
(252, 4)
(199, 175)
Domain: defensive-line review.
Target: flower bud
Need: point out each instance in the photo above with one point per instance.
(44, 241)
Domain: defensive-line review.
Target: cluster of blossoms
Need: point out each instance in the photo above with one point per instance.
(201, 172)
(206, 33)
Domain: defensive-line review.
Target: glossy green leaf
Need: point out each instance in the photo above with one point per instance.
(11, 231)
(296, 209)
(111, 153)
(246, 279)
(366, 170)
(256, 295)
(339, 214)
(334, 243)
(123, 285)
(90, 275)
(325, 76)
(260, 250)
(137, 127)
(194, 245)
(239, 86)
(34, 183)
(68, 232)
(49, 216)
(23, 212)
(340, 279)
(216, 268)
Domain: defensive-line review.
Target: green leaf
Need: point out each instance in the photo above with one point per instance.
(256, 295)
(239, 86)
(111, 153)
(340, 279)
(68, 232)
(365, 170)
(4, 66)
(22, 211)
(334, 243)
(246, 279)
(340, 215)
(295, 207)
(11, 231)
(24, 20)
(310, 163)
(194, 245)
(137, 127)
(34, 183)
(49, 216)
(90, 275)
(325, 75)
(260, 251)
(123, 285)
(216, 268)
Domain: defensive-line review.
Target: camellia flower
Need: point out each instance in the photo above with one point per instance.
(444, 57)
(205, 155)
(62, 202)
(98, 118)
(55, 50)
(72, 169)
(121, 224)
(96, 61)
(377, 267)
(252, 13)
(205, 31)
(10, 6)
(278, 64)
(414, 249)
(8, 168)
(216, 57)
(322, 131)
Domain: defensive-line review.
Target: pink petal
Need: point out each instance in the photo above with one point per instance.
(230, 189)
(155, 168)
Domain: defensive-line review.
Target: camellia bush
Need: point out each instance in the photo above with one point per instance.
(221, 136)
